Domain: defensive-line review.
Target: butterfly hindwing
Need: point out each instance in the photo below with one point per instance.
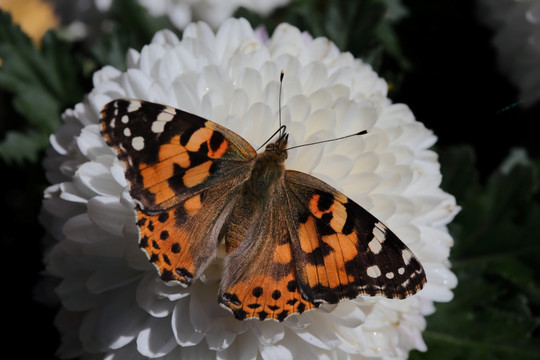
(259, 278)
(341, 251)
(183, 171)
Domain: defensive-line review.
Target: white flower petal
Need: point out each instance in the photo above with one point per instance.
(437, 293)
(96, 177)
(107, 213)
(155, 339)
(275, 352)
(183, 330)
(111, 278)
(270, 332)
(218, 338)
(111, 325)
(319, 336)
(80, 229)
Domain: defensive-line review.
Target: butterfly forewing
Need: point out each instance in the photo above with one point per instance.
(168, 153)
(341, 250)
(183, 171)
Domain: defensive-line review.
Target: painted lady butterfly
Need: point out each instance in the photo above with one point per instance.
(292, 241)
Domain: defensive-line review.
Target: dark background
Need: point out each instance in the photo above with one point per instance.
(454, 88)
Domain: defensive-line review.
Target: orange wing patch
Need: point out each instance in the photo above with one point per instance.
(328, 268)
(167, 246)
(197, 174)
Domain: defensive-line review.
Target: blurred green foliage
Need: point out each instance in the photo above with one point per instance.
(496, 258)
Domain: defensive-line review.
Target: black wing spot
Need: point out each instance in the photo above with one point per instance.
(325, 200)
(143, 243)
(163, 217)
(291, 286)
(257, 292)
(167, 275)
(216, 140)
(175, 248)
(282, 315)
(263, 315)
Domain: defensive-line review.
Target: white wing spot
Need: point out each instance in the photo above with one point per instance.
(407, 255)
(127, 132)
(379, 236)
(389, 275)
(125, 119)
(379, 231)
(164, 117)
(401, 271)
(158, 127)
(134, 105)
(373, 271)
(375, 246)
(137, 143)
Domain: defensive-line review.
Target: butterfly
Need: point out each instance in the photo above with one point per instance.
(292, 241)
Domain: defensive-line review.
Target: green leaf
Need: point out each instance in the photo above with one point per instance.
(395, 10)
(496, 258)
(111, 49)
(38, 84)
(19, 147)
(134, 21)
(131, 26)
(460, 177)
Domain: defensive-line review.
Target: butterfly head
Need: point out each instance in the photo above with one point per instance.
(280, 146)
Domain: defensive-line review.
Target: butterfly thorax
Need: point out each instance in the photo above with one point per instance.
(267, 169)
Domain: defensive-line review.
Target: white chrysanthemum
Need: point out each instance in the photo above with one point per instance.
(113, 302)
(516, 26)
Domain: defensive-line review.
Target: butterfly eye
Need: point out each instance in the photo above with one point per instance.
(271, 147)
(284, 155)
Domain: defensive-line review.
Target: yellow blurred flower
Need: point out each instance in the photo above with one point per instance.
(35, 17)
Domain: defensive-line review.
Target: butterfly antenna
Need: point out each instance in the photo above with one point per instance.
(279, 101)
(281, 129)
(329, 140)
